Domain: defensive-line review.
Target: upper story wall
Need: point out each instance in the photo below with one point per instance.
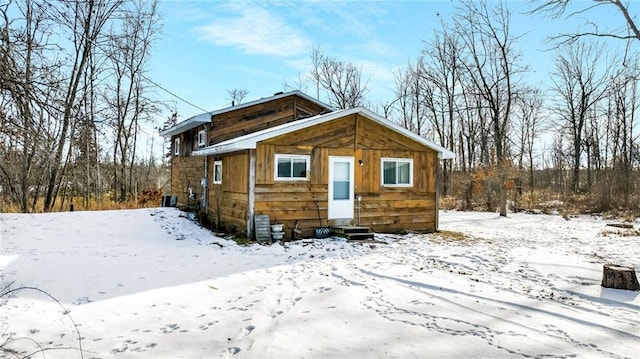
(244, 120)
(255, 118)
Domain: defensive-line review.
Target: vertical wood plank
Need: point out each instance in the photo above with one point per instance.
(251, 190)
(375, 170)
(358, 172)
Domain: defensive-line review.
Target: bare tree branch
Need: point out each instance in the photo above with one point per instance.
(559, 8)
(341, 80)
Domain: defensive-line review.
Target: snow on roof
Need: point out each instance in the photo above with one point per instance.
(249, 141)
(203, 118)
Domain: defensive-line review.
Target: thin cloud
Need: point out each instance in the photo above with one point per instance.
(255, 30)
(359, 26)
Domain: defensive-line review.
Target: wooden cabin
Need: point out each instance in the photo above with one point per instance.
(304, 165)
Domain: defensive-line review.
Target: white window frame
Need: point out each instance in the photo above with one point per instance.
(176, 146)
(396, 160)
(307, 160)
(202, 138)
(217, 180)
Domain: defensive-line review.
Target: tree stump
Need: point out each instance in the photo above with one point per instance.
(619, 277)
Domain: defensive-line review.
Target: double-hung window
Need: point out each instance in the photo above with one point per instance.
(176, 147)
(202, 138)
(292, 167)
(397, 172)
(217, 172)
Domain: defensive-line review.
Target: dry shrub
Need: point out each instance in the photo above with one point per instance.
(8, 207)
(479, 179)
(148, 198)
(449, 203)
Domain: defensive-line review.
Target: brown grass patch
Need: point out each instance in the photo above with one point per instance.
(145, 200)
(450, 235)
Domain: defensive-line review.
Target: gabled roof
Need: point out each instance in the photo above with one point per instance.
(249, 141)
(206, 117)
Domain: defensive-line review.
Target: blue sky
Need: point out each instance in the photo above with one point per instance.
(208, 47)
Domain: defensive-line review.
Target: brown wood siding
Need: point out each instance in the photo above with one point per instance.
(247, 120)
(289, 201)
(375, 136)
(186, 172)
(230, 199)
(384, 209)
(188, 141)
(335, 134)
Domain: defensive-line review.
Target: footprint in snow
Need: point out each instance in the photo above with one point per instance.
(233, 351)
(248, 329)
(276, 314)
(169, 328)
(82, 300)
(119, 350)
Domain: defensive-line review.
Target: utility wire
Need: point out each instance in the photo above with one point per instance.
(173, 94)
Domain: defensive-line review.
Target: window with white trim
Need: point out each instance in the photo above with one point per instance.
(176, 147)
(292, 167)
(217, 172)
(397, 172)
(202, 138)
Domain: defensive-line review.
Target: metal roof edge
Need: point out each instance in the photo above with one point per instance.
(187, 124)
(276, 96)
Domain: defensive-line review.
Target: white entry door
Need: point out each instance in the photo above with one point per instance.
(340, 187)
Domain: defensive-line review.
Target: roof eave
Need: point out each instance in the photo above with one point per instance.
(225, 148)
(446, 155)
(187, 124)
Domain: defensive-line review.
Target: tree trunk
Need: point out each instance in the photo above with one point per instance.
(619, 277)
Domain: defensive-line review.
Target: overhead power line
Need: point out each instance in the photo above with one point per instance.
(173, 94)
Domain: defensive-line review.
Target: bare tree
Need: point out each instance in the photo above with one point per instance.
(442, 78)
(493, 68)
(408, 100)
(86, 22)
(24, 77)
(528, 106)
(579, 85)
(129, 100)
(623, 98)
(52, 101)
(301, 83)
(342, 81)
(236, 95)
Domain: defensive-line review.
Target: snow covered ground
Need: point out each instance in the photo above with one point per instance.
(150, 283)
